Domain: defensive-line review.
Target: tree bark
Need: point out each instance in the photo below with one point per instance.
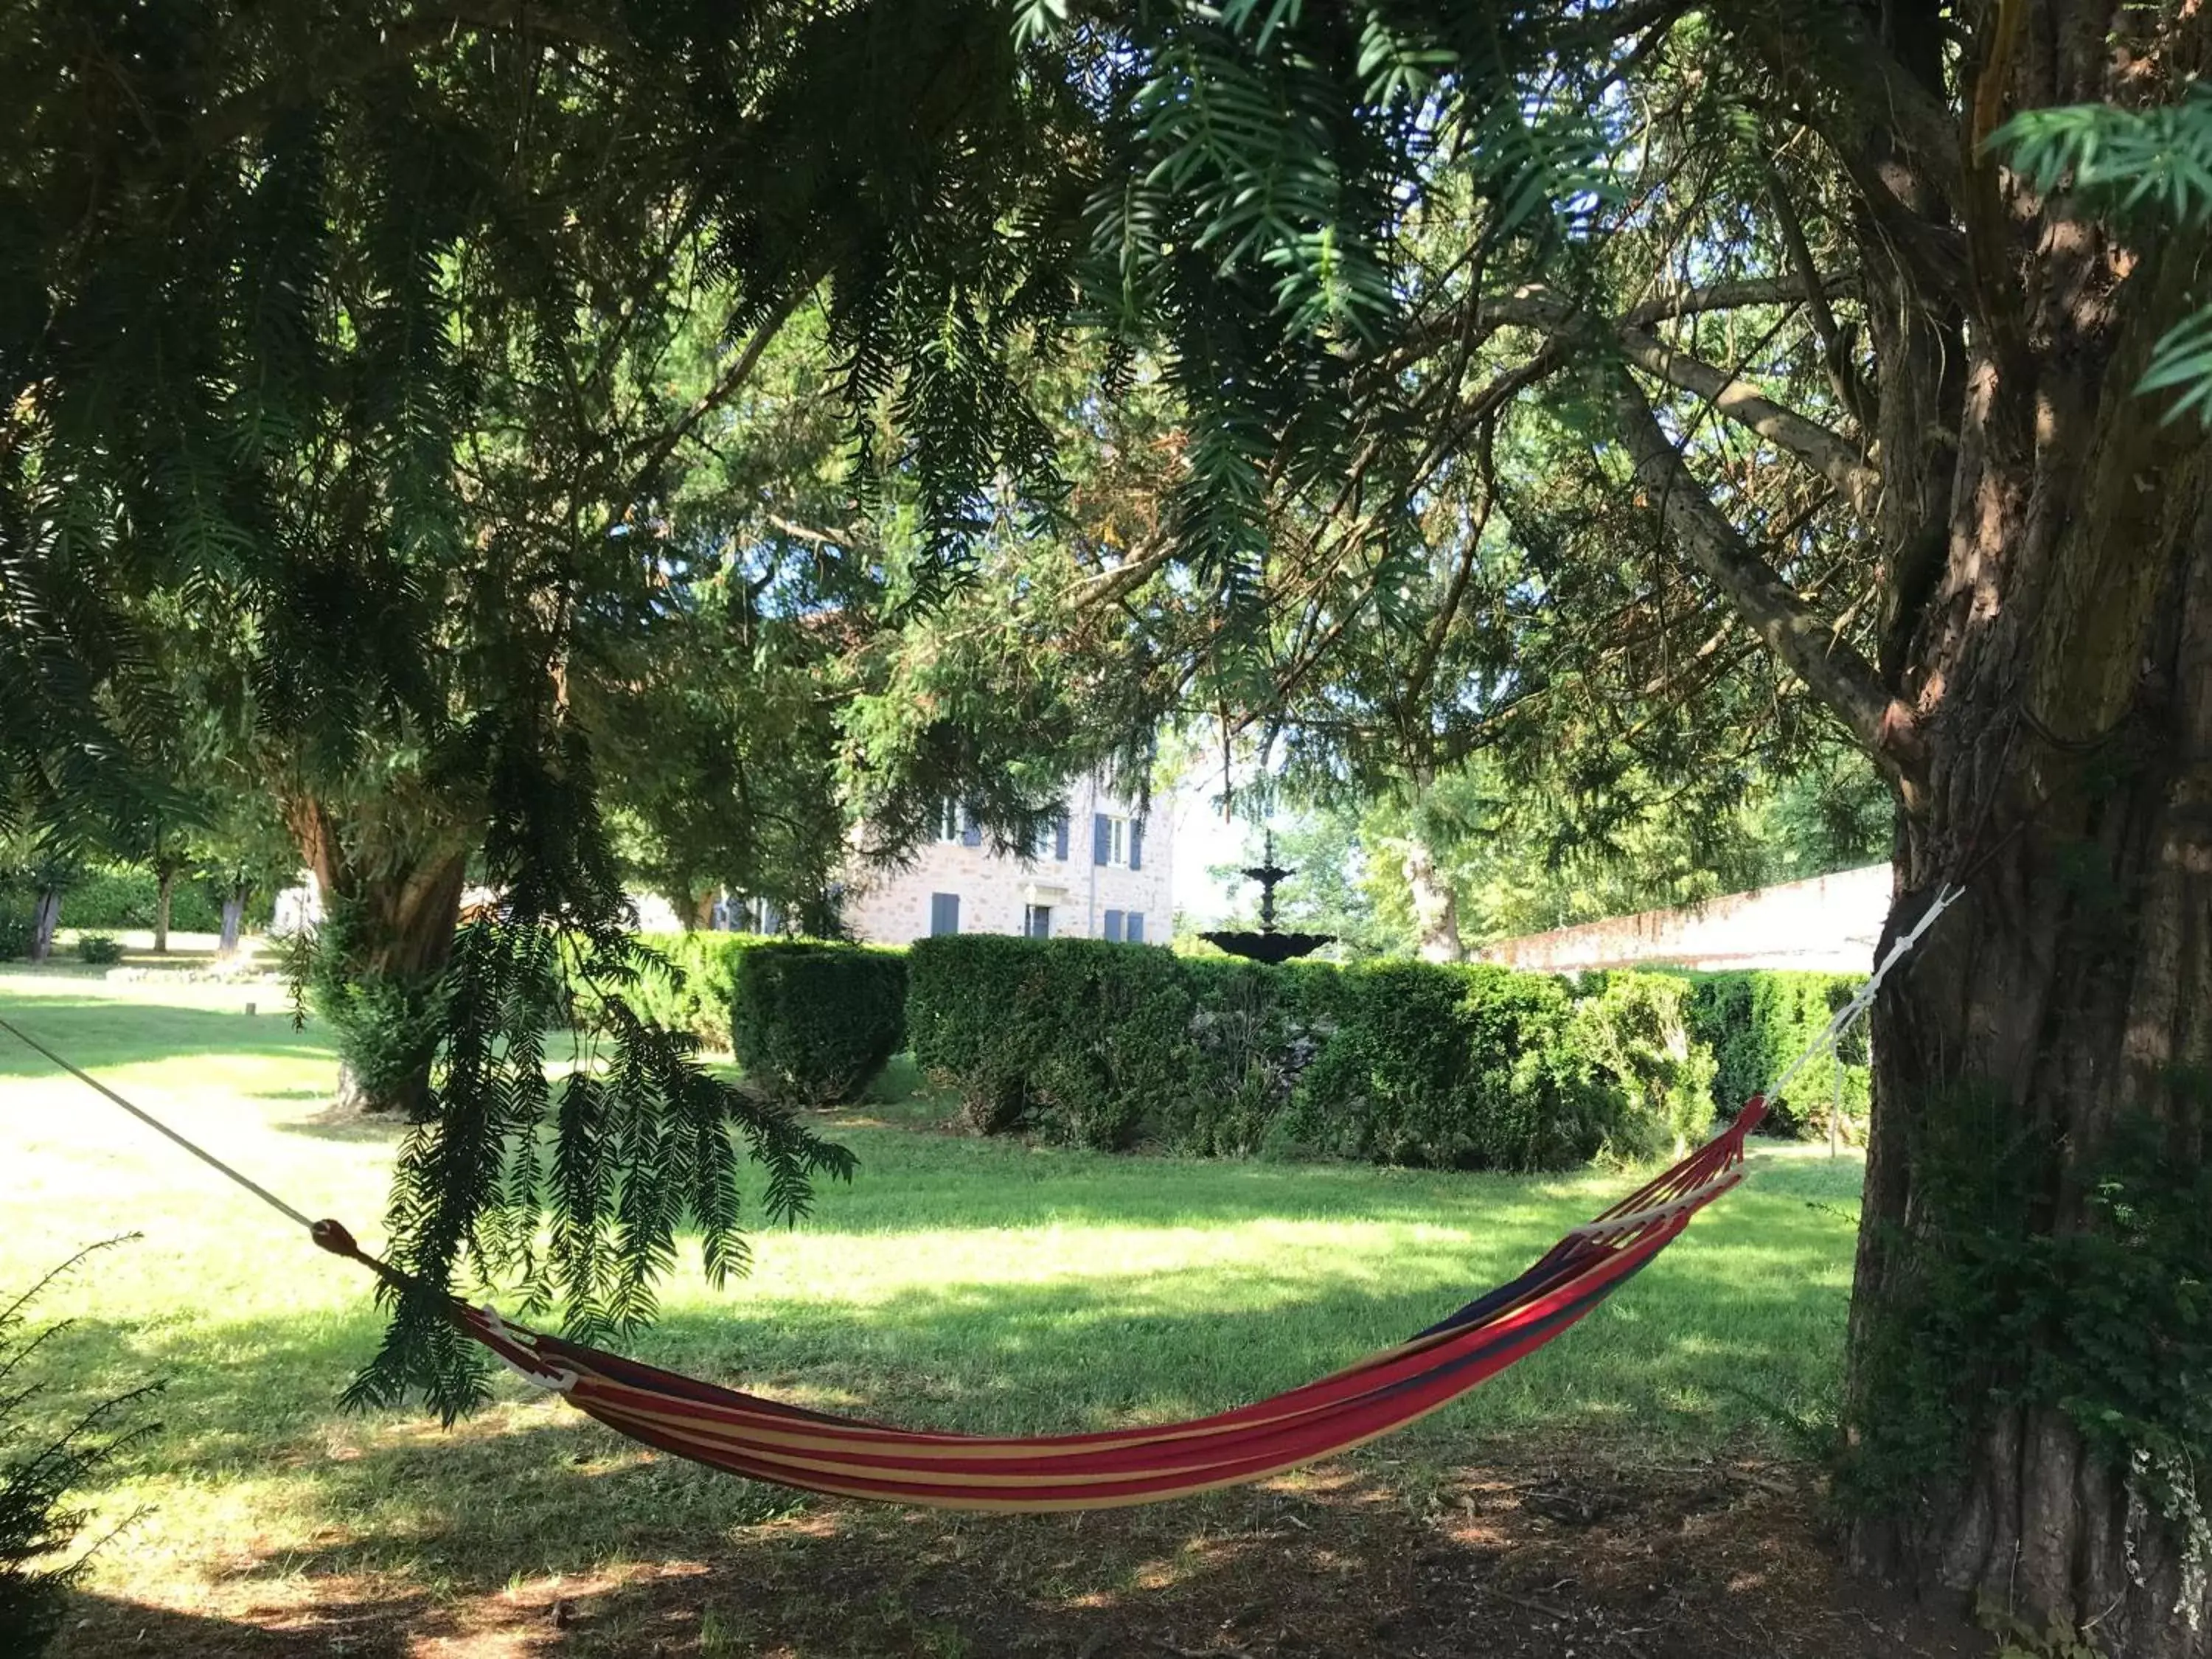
(164, 888)
(2047, 638)
(1436, 907)
(233, 917)
(390, 913)
(45, 917)
(2061, 677)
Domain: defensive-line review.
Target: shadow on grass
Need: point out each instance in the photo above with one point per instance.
(530, 1488)
(105, 1624)
(533, 1520)
(105, 1031)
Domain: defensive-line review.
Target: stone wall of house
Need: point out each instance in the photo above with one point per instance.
(892, 905)
(1831, 924)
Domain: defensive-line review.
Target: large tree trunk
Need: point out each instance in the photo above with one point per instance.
(165, 889)
(2060, 666)
(390, 913)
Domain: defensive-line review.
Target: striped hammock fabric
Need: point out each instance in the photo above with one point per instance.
(816, 1451)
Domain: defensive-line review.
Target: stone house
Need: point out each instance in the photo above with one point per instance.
(1103, 871)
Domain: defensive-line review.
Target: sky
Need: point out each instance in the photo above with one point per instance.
(1202, 839)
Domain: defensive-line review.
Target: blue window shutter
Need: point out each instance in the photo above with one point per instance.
(1132, 929)
(1102, 838)
(944, 913)
(971, 833)
(1113, 926)
(1060, 839)
(1136, 843)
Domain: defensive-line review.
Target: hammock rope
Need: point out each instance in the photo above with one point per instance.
(770, 1440)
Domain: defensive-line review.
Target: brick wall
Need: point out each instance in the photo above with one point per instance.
(891, 905)
(1831, 924)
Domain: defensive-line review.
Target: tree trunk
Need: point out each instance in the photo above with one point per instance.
(164, 888)
(45, 917)
(1436, 907)
(233, 917)
(699, 910)
(2061, 671)
(390, 913)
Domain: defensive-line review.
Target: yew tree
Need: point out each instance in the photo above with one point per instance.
(1868, 337)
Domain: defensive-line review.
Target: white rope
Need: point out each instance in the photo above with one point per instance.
(554, 1379)
(1849, 1014)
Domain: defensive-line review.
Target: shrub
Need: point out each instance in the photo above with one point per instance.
(99, 950)
(974, 1022)
(37, 1474)
(1087, 1043)
(123, 895)
(1474, 1067)
(1756, 1022)
(812, 1024)
(15, 931)
(695, 994)
(1117, 1054)
(1251, 1038)
(1635, 1026)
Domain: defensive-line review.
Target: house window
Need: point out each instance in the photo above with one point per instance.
(1132, 927)
(948, 820)
(1036, 921)
(944, 913)
(1113, 929)
(1117, 841)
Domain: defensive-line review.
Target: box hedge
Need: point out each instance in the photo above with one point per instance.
(1102, 1045)
(812, 1024)
(1756, 1022)
(695, 997)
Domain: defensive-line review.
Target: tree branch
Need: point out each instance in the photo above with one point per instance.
(732, 380)
(1830, 454)
(1834, 672)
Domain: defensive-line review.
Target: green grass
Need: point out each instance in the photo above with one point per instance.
(957, 1283)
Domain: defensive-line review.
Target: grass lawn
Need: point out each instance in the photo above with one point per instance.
(957, 1283)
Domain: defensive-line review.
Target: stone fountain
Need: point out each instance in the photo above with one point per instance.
(1267, 945)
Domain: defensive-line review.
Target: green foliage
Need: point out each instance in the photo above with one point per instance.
(570, 1190)
(1102, 1045)
(1476, 1067)
(1118, 1054)
(971, 1022)
(39, 1473)
(1756, 1022)
(812, 1024)
(1085, 1042)
(125, 895)
(694, 990)
(99, 949)
(15, 933)
(2107, 1320)
(1637, 1026)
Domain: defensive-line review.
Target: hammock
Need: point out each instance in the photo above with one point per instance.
(851, 1457)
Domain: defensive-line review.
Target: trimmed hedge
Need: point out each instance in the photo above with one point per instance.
(812, 1024)
(1757, 1022)
(697, 997)
(1474, 1068)
(1101, 1045)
